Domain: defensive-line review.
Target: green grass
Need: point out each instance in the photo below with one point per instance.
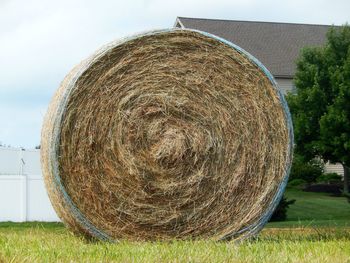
(317, 206)
(311, 240)
(315, 210)
(47, 242)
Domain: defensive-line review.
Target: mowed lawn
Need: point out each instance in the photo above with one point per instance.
(315, 210)
(303, 239)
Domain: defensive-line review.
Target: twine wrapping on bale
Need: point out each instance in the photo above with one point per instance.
(168, 134)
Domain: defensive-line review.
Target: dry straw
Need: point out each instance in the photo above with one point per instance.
(168, 134)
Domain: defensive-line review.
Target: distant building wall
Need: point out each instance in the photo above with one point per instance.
(334, 168)
(23, 195)
(286, 85)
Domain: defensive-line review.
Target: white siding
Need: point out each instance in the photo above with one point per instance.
(334, 168)
(285, 85)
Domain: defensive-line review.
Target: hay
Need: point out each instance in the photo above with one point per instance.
(169, 134)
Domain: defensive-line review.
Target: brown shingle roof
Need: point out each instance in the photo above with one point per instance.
(276, 45)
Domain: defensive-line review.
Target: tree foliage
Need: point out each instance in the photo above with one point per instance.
(307, 170)
(321, 108)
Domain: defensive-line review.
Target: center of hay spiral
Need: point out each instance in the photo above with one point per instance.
(172, 135)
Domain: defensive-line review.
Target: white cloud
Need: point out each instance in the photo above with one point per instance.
(40, 41)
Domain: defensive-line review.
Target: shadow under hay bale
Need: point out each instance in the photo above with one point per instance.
(169, 134)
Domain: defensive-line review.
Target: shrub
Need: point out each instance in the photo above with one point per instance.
(308, 171)
(280, 214)
(329, 178)
(335, 189)
(297, 183)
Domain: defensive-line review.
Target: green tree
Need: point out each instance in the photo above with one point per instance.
(321, 107)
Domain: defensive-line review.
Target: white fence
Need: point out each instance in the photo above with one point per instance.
(23, 195)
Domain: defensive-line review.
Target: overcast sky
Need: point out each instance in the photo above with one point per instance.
(41, 40)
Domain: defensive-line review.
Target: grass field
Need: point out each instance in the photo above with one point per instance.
(298, 240)
(315, 210)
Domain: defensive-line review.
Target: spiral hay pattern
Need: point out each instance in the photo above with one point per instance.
(168, 134)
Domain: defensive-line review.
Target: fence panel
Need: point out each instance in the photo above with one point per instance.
(23, 195)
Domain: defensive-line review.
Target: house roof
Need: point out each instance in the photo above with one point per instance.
(276, 45)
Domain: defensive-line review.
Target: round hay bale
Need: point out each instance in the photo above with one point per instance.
(169, 134)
